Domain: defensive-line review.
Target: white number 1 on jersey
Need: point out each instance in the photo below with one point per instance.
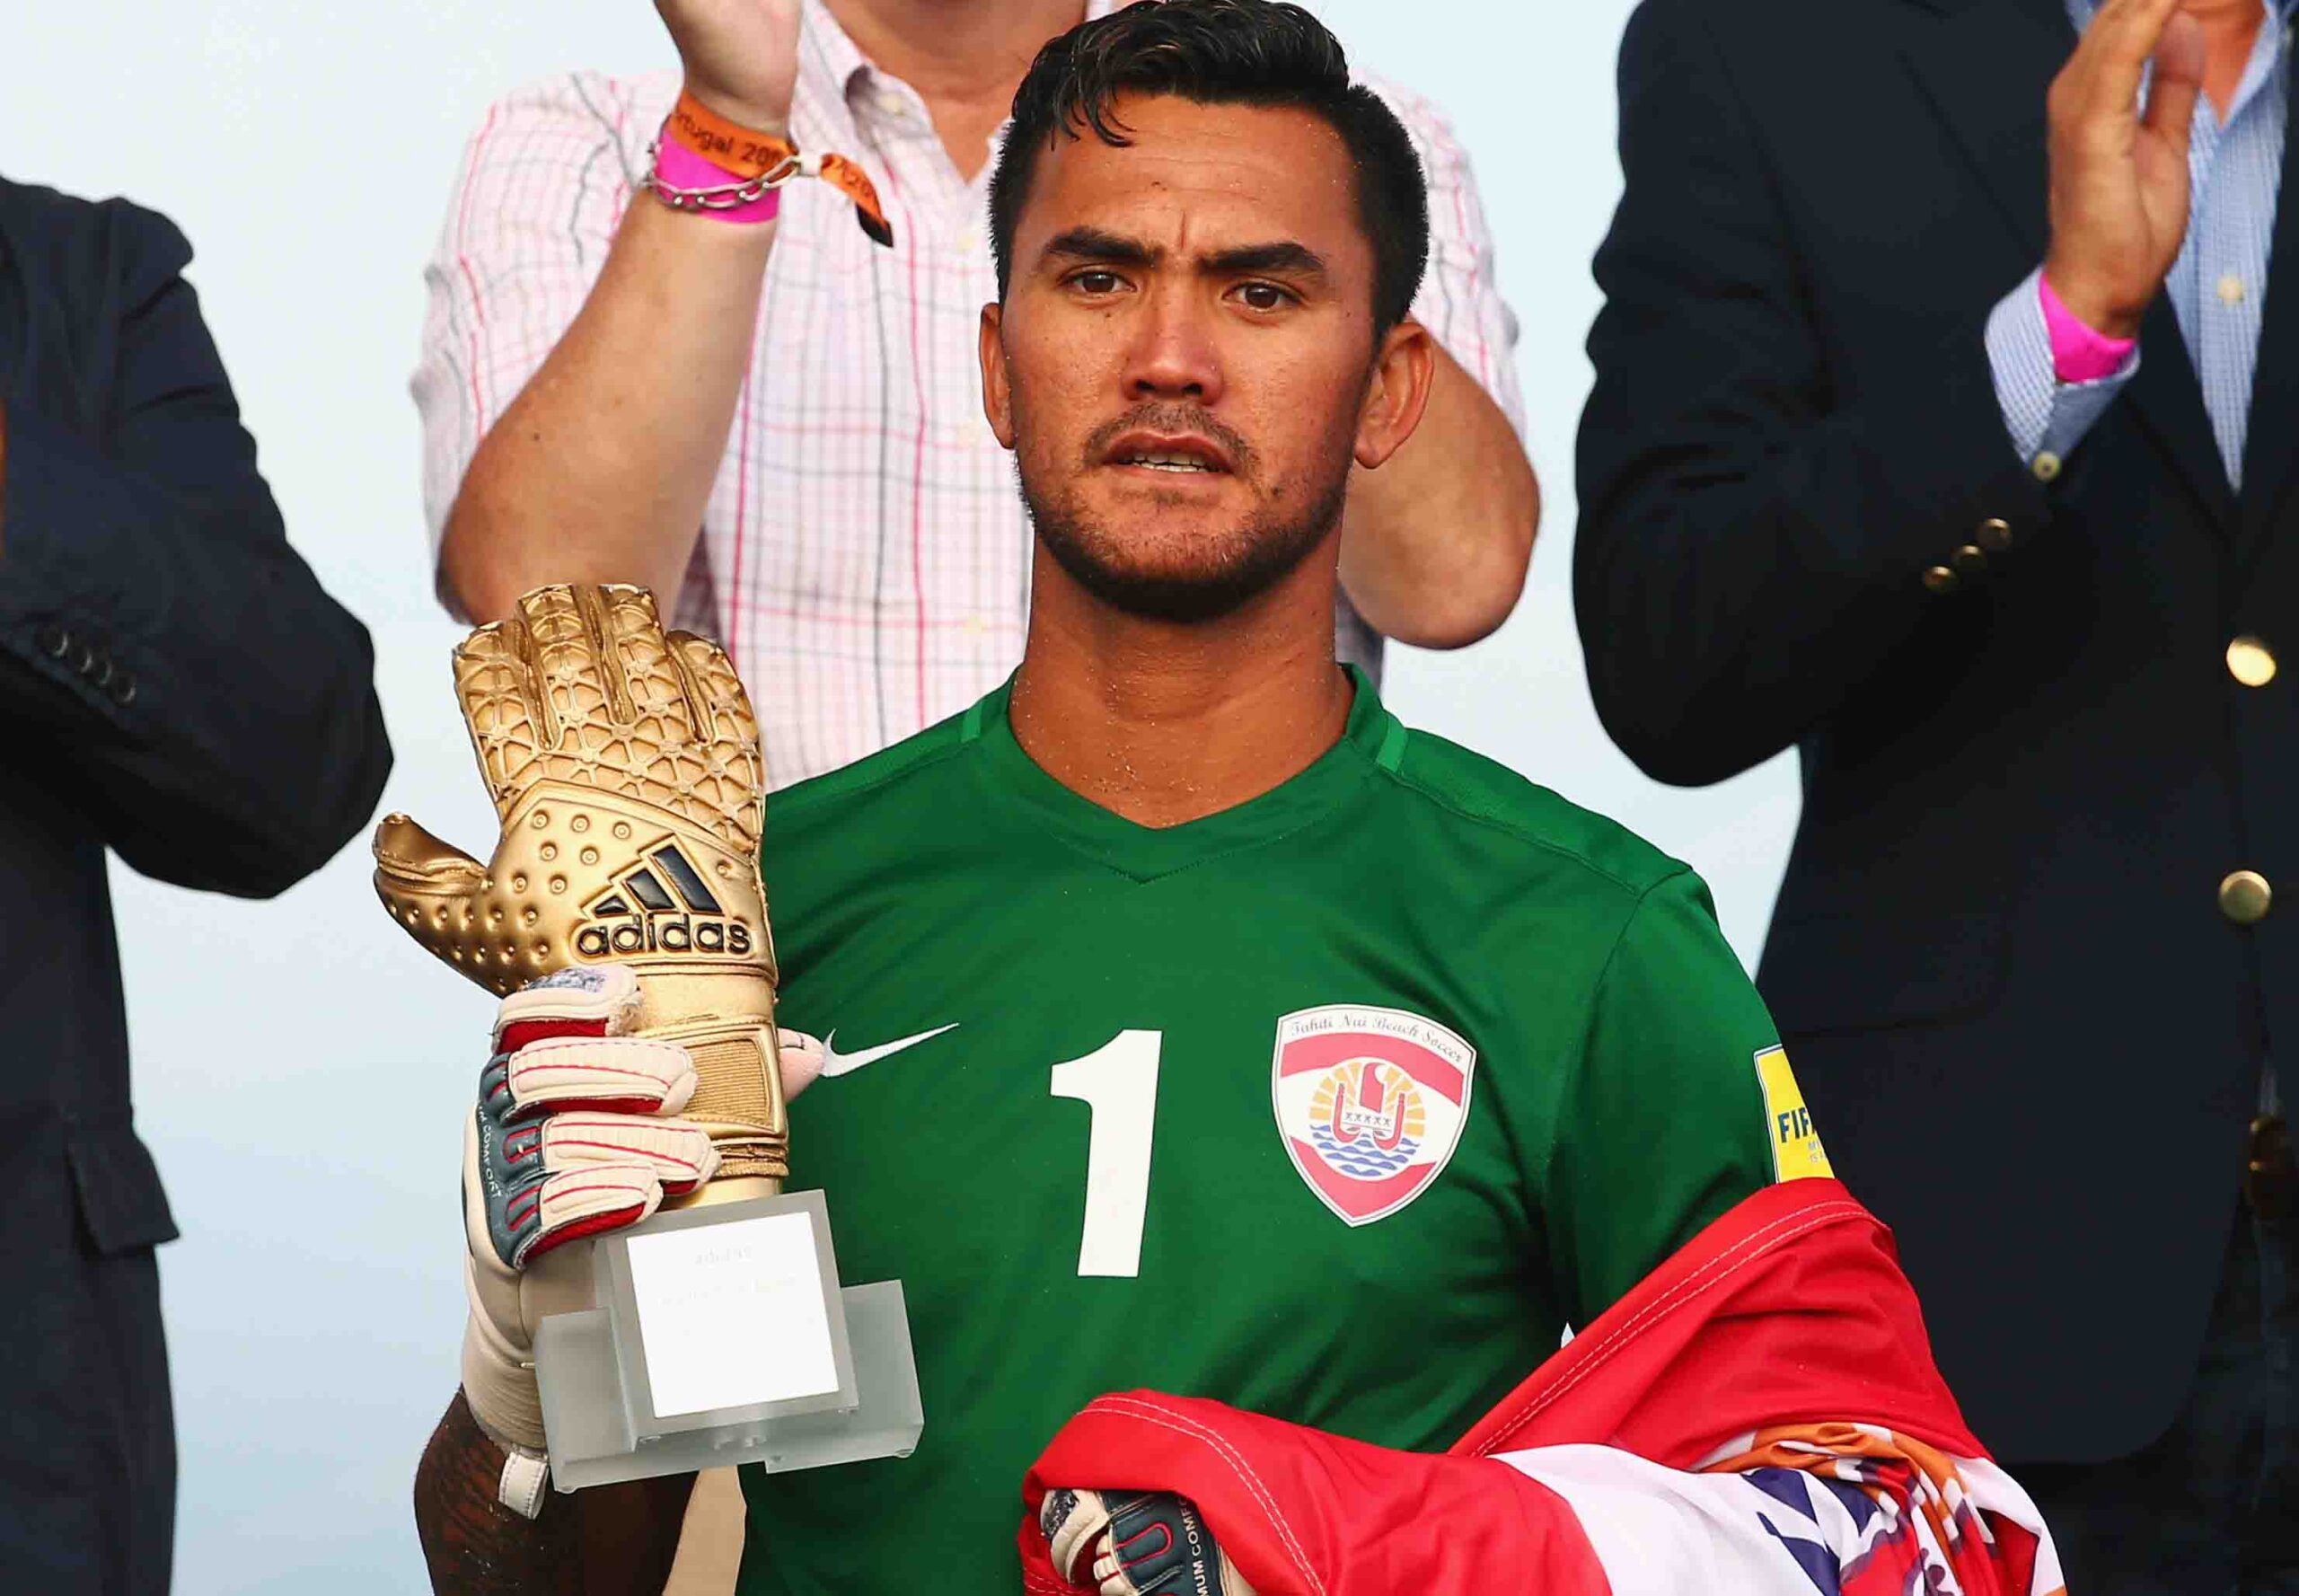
(1119, 1083)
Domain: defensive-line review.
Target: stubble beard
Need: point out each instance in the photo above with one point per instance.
(1218, 578)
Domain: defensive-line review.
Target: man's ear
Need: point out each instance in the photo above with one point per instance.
(997, 393)
(1403, 369)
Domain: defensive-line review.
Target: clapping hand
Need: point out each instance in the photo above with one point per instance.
(741, 57)
(2119, 196)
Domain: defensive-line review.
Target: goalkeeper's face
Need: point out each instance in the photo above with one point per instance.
(1186, 363)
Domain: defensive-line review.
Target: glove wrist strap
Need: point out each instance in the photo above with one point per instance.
(526, 1476)
(739, 1097)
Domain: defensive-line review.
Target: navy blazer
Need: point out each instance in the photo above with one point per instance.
(174, 687)
(2030, 1033)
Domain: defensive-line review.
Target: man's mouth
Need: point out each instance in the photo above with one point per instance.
(1181, 457)
(1168, 462)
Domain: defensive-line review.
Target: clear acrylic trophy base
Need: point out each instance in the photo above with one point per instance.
(721, 1336)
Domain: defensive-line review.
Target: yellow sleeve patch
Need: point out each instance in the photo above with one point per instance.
(1796, 1150)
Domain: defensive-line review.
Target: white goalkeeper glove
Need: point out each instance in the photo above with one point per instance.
(575, 1133)
(1136, 1543)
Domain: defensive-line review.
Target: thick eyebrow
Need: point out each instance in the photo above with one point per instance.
(1110, 249)
(1092, 243)
(1295, 259)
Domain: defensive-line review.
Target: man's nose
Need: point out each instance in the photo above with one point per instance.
(1174, 354)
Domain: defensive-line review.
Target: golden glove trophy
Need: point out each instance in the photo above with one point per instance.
(624, 766)
(625, 770)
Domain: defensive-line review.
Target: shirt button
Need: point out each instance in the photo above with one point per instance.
(2250, 661)
(2046, 466)
(969, 240)
(2231, 289)
(2245, 897)
(892, 103)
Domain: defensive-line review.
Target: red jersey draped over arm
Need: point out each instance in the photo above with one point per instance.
(1790, 1308)
(1783, 1341)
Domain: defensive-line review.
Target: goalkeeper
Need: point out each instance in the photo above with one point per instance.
(1188, 1022)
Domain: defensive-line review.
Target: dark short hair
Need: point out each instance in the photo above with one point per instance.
(1220, 52)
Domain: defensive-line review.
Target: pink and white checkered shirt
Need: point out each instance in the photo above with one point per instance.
(865, 554)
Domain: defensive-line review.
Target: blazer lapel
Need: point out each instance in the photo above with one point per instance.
(2168, 398)
(1986, 65)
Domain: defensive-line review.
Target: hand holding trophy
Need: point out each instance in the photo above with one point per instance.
(622, 920)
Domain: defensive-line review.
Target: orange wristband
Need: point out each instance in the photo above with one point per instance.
(749, 155)
(743, 152)
(849, 179)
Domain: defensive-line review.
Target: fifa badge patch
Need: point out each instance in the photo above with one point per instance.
(1796, 1150)
(1370, 1104)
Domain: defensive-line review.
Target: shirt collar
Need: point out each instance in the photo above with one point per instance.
(1372, 739)
(828, 60)
(2268, 53)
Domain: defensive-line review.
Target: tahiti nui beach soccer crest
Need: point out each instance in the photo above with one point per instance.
(1370, 1103)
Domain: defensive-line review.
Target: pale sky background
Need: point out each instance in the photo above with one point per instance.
(301, 1069)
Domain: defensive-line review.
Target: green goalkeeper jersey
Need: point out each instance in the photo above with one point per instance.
(1339, 1105)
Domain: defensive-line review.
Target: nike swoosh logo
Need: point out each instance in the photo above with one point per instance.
(835, 1063)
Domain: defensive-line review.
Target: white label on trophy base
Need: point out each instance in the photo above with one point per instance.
(732, 1314)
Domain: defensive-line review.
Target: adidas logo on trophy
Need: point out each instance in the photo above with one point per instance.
(640, 914)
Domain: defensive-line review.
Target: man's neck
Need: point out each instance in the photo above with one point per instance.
(964, 58)
(2231, 28)
(1164, 723)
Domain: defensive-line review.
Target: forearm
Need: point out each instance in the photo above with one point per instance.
(472, 1544)
(1435, 543)
(602, 467)
(1759, 505)
(611, 1540)
(215, 706)
(1739, 574)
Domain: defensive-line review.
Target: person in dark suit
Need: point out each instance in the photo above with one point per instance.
(1944, 429)
(176, 688)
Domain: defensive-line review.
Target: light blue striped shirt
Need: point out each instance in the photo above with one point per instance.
(2217, 286)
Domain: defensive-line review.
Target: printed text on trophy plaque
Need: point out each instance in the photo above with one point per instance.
(732, 1314)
